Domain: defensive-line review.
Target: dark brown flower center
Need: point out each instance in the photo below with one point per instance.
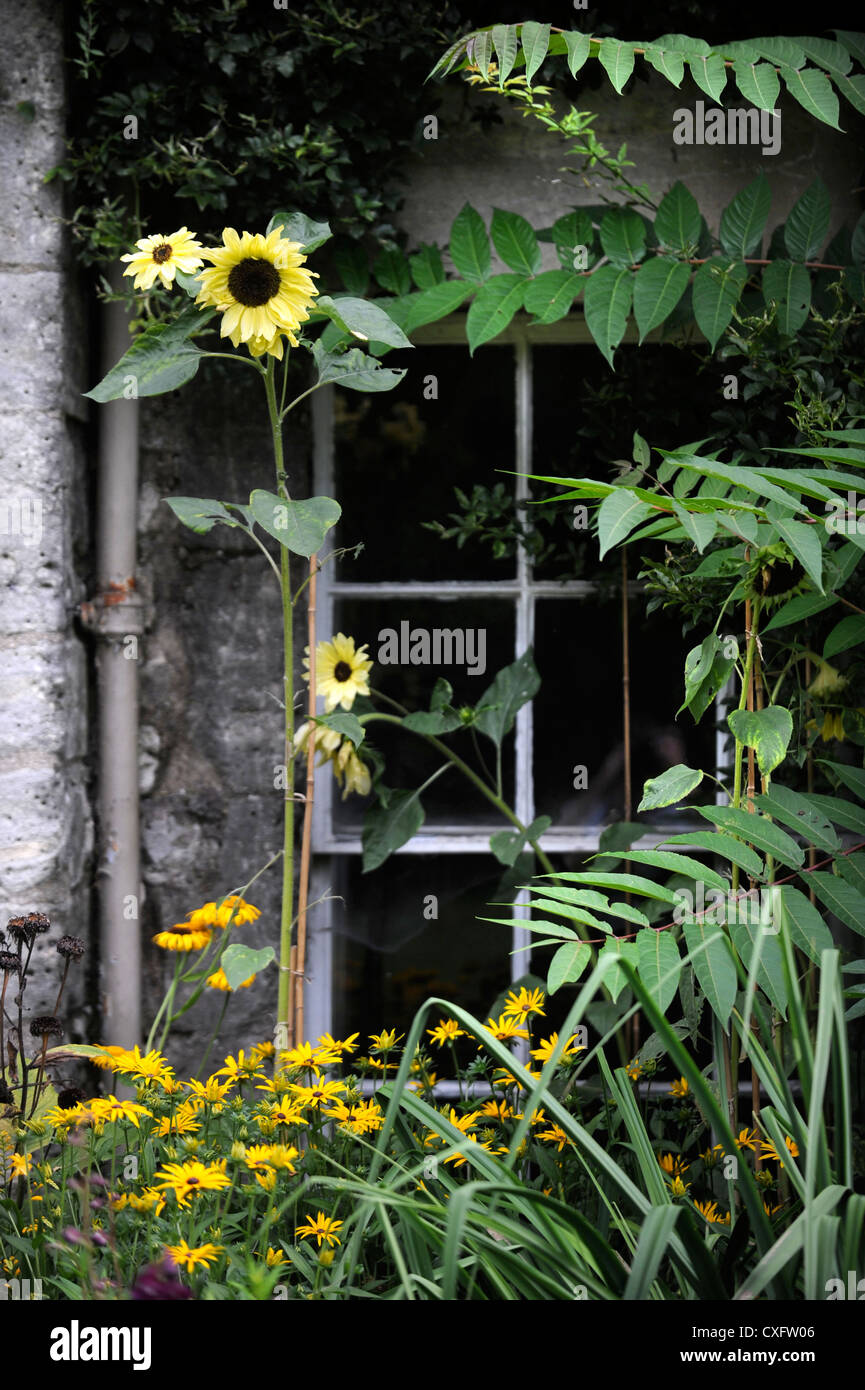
(253, 282)
(162, 253)
(341, 671)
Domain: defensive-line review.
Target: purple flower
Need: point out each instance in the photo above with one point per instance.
(159, 1281)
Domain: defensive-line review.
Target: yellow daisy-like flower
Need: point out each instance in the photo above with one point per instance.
(769, 1150)
(283, 1112)
(106, 1060)
(236, 911)
(350, 1044)
(191, 1257)
(183, 937)
(147, 1201)
(555, 1135)
(21, 1165)
(274, 1258)
(321, 1227)
(262, 1050)
(446, 1030)
(680, 1088)
(341, 672)
(505, 1028)
(634, 1070)
(213, 1091)
(219, 980)
(260, 287)
(183, 1121)
(320, 1093)
(498, 1110)
(545, 1048)
(187, 1179)
(162, 256)
(528, 1001)
(711, 1213)
(241, 1068)
(385, 1040)
(747, 1139)
(679, 1188)
(673, 1164)
(150, 1066)
(113, 1109)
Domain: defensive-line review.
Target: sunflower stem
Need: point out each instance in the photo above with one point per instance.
(286, 913)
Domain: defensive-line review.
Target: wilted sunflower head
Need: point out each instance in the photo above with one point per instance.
(774, 576)
(260, 287)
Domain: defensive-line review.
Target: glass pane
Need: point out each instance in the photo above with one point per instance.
(479, 630)
(578, 711)
(399, 456)
(389, 957)
(585, 418)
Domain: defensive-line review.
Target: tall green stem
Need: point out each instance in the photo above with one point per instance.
(286, 912)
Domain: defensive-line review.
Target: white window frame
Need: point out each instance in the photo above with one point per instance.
(521, 337)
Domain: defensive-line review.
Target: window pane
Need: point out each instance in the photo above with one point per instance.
(399, 456)
(389, 957)
(578, 710)
(585, 418)
(481, 627)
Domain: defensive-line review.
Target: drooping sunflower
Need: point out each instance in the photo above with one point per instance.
(341, 672)
(183, 937)
(162, 256)
(260, 287)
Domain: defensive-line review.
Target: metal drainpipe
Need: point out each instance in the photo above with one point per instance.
(114, 616)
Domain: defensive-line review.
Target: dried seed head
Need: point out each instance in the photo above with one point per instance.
(46, 1026)
(26, 928)
(71, 946)
(70, 1097)
(9, 962)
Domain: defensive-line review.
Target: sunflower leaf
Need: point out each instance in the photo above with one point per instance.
(299, 526)
(239, 962)
(363, 320)
(354, 370)
(346, 724)
(160, 359)
(296, 226)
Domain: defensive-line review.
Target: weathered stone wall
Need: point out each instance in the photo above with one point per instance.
(45, 818)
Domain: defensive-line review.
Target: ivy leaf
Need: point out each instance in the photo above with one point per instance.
(789, 285)
(469, 245)
(768, 731)
(239, 962)
(743, 222)
(807, 224)
(716, 290)
(677, 221)
(160, 359)
(515, 242)
(619, 513)
(618, 61)
(671, 786)
(493, 307)
(607, 301)
(299, 526)
(512, 688)
(658, 287)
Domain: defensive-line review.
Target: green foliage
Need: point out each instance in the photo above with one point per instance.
(311, 103)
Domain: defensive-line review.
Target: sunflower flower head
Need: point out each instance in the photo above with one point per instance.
(261, 288)
(160, 257)
(341, 672)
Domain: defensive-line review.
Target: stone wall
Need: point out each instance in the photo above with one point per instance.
(45, 772)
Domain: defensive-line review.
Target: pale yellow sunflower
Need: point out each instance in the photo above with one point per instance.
(162, 256)
(259, 286)
(341, 672)
(348, 764)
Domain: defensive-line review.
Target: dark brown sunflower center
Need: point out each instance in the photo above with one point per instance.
(162, 253)
(341, 671)
(253, 282)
